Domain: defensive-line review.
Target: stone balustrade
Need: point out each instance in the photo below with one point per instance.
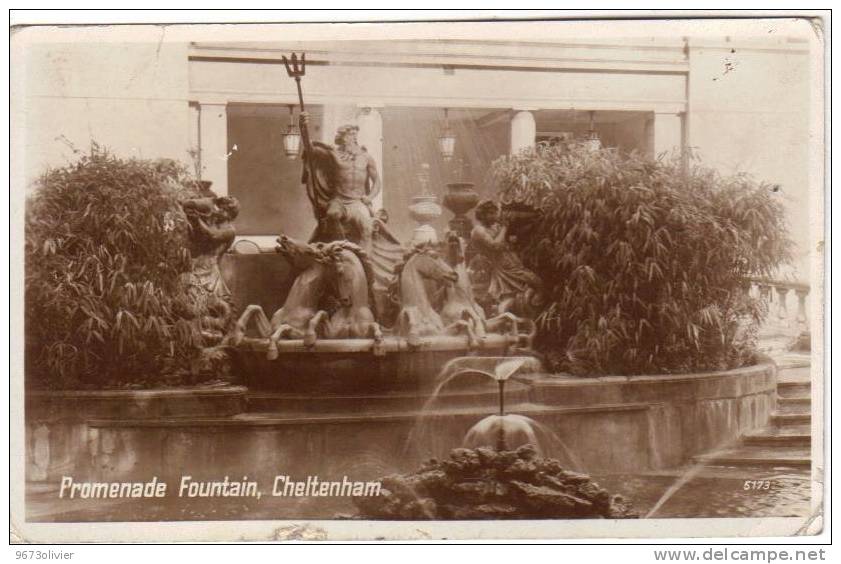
(788, 308)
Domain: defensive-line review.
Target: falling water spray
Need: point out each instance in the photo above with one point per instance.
(500, 440)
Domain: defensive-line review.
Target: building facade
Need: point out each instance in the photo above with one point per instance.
(739, 103)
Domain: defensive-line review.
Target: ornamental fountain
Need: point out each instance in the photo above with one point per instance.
(369, 314)
(501, 472)
(366, 311)
(335, 332)
(339, 374)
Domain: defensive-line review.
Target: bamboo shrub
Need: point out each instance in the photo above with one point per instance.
(645, 262)
(106, 247)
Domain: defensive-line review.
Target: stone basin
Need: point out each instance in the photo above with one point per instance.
(350, 365)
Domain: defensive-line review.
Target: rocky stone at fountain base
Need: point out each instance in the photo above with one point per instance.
(484, 483)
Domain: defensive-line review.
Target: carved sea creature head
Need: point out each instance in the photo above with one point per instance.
(352, 269)
(428, 262)
(228, 207)
(300, 254)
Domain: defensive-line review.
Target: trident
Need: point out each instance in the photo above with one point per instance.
(296, 68)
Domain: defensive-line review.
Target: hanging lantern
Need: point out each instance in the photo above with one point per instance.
(292, 137)
(447, 140)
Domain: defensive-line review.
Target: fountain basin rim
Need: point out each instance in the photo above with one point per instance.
(561, 380)
(490, 390)
(121, 395)
(389, 344)
(81, 405)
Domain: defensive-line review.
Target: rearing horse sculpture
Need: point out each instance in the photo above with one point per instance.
(417, 316)
(299, 316)
(353, 318)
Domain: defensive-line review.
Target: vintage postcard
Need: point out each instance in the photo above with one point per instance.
(465, 280)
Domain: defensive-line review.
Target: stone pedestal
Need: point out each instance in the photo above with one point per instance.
(425, 210)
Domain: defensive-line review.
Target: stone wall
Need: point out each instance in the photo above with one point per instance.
(76, 87)
(749, 110)
(609, 425)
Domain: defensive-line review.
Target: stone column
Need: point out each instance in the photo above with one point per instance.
(523, 131)
(765, 293)
(802, 317)
(668, 133)
(370, 123)
(213, 146)
(782, 307)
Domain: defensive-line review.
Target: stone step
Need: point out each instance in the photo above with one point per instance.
(793, 408)
(756, 456)
(771, 439)
(785, 430)
(799, 375)
(795, 400)
(793, 361)
(793, 389)
(787, 419)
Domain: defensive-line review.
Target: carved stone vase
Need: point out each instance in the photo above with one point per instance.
(424, 210)
(461, 197)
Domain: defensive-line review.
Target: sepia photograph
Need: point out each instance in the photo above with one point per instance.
(542, 279)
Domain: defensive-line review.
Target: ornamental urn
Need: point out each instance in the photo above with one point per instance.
(461, 197)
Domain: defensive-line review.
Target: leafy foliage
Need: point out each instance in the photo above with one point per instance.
(645, 263)
(106, 248)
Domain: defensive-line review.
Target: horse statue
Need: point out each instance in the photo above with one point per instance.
(460, 303)
(417, 316)
(353, 279)
(300, 314)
